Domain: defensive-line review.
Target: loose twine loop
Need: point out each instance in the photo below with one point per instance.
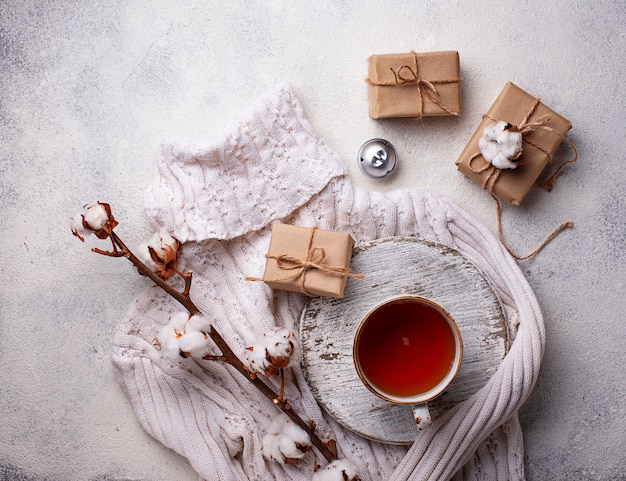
(423, 86)
(493, 174)
(312, 260)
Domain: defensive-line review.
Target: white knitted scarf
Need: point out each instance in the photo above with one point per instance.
(220, 199)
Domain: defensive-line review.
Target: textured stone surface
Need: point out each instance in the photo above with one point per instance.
(90, 88)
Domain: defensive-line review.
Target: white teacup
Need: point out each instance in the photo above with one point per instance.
(407, 350)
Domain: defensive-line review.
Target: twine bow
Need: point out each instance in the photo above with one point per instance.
(493, 173)
(312, 259)
(407, 74)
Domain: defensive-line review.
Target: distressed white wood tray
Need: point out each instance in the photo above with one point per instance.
(393, 267)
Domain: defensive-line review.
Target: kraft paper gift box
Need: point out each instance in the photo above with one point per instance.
(414, 84)
(313, 261)
(542, 132)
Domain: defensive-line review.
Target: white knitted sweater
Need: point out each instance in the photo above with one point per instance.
(220, 199)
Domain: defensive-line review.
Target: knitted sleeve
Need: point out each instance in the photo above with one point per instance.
(220, 199)
(268, 164)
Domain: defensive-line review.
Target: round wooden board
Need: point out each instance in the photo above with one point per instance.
(393, 267)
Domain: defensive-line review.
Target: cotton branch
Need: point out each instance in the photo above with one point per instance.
(97, 218)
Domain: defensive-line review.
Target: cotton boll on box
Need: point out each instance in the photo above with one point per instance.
(501, 145)
(542, 131)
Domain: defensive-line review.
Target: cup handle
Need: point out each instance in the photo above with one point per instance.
(422, 416)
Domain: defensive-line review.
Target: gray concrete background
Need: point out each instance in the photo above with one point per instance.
(89, 89)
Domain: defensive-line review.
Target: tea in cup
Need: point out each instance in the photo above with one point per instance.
(408, 350)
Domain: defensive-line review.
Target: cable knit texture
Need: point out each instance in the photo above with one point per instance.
(220, 198)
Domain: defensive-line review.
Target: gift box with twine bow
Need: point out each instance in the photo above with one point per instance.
(313, 261)
(414, 85)
(542, 131)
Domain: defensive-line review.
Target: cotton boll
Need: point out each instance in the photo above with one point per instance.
(161, 241)
(77, 227)
(290, 449)
(168, 339)
(160, 254)
(166, 333)
(93, 218)
(256, 358)
(490, 133)
(338, 470)
(277, 425)
(96, 218)
(271, 449)
(285, 441)
(489, 150)
(193, 343)
(296, 433)
(501, 161)
(510, 142)
(282, 343)
(272, 352)
(171, 350)
(501, 145)
(169, 335)
(143, 253)
(199, 323)
(179, 321)
(95, 215)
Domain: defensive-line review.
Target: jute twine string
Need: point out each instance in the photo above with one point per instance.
(407, 74)
(312, 260)
(490, 180)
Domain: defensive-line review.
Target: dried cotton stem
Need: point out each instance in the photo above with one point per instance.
(327, 449)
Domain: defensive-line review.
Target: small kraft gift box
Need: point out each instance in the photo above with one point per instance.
(542, 131)
(313, 261)
(414, 84)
